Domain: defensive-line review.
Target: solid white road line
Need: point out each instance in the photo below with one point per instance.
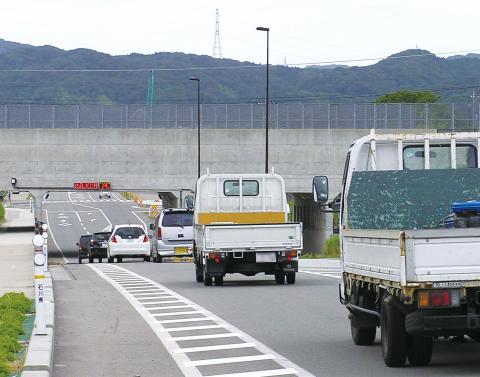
(320, 274)
(229, 360)
(215, 348)
(201, 337)
(53, 238)
(262, 373)
(143, 222)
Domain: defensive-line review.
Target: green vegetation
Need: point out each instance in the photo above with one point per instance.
(13, 307)
(127, 195)
(2, 213)
(408, 96)
(331, 247)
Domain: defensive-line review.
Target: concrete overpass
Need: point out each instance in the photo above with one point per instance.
(166, 160)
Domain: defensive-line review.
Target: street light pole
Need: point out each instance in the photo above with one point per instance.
(260, 28)
(198, 123)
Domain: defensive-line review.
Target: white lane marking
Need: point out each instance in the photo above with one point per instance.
(320, 274)
(92, 220)
(229, 360)
(215, 348)
(97, 209)
(201, 337)
(200, 319)
(263, 373)
(116, 196)
(53, 238)
(171, 307)
(150, 295)
(163, 302)
(64, 224)
(91, 197)
(138, 217)
(179, 354)
(173, 313)
(192, 328)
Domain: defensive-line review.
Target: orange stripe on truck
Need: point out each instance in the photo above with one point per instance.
(241, 217)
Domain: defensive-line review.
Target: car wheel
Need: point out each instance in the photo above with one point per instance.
(199, 272)
(291, 278)
(218, 280)
(394, 336)
(279, 278)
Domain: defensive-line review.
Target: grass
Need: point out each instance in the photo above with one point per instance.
(331, 249)
(127, 195)
(13, 308)
(2, 213)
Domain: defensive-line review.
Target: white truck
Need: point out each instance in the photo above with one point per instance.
(240, 226)
(410, 240)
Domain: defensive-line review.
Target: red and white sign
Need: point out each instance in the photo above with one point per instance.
(86, 186)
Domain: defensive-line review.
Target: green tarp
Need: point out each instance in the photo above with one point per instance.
(408, 199)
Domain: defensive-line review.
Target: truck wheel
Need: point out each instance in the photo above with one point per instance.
(90, 260)
(110, 259)
(99, 260)
(394, 336)
(291, 278)
(218, 280)
(199, 272)
(279, 277)
(79, 260)
(207, 279)
(146, 259)
(419, 350)
(362, 336)
(119, 259)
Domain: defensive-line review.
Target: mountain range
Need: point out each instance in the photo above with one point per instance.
(46, 74)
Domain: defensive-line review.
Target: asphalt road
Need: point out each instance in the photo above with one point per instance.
(113, 319)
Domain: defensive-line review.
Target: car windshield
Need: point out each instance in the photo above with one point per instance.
(129, 232)
(182, 219)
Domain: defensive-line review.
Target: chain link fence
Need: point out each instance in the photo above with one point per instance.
(451, 116)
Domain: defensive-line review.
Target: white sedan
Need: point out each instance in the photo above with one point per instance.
(129, 241)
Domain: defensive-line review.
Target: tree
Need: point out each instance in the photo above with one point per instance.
(408, 96)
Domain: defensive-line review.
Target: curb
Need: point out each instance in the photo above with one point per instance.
(39, 358)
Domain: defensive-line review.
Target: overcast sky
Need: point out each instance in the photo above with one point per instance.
(301, 31)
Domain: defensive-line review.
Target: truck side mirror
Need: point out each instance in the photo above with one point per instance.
(189, 202)
(320, 189)
(152, 227)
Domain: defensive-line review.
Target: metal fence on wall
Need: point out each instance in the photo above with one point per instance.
(454, 116)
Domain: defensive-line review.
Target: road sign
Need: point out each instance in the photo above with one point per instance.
(86, 186)
(105, 185)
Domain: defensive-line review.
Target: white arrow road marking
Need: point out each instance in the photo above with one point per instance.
(65, 224)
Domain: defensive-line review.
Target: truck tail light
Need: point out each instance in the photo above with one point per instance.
(145, 239)
(159, 233)
(217, 257)
(439, 298)
(291, 254)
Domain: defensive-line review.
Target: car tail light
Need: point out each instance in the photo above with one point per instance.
(145, 238)
(439, 298)
(159, 233)
(114, 238)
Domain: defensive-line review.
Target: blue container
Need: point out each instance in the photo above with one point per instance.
(469, 207)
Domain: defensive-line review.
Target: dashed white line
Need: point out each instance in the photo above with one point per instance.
(200, 319)
(229, 360)
(215, 348)
(201, 337)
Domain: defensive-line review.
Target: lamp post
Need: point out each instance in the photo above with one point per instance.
(261, 28)
(198, 123)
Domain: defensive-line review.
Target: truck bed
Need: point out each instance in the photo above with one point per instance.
(413, 256)
(252, 237)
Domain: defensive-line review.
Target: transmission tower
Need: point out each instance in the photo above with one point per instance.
(217, 48)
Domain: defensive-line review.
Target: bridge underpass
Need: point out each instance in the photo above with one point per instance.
(165, 160)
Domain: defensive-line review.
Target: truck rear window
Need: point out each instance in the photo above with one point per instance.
(440, 157)
(232, 188)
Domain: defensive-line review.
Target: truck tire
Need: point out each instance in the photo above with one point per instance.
(279, 278)
(207, 279)
(79, 260)
(90, 259)
(218, 280)
(362, 336)
(146, 258)
(291, 277)
(394, 336)
(419, 350)
(119, 259)
(199, 272)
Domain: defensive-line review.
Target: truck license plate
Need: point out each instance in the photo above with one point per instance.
(181, 250)
(265, 257)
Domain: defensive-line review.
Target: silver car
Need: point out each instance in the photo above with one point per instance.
(172, 234)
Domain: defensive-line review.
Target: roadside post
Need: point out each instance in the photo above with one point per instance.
(45, 246)
(39, 260)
